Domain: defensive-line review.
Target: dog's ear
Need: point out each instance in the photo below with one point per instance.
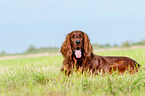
(87, 46)
(66, 49)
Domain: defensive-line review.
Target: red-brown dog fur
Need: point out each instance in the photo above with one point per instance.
(90, 61)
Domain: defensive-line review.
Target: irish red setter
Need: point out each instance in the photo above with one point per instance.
(77, 51)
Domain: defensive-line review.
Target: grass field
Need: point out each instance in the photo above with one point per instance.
(41, 76)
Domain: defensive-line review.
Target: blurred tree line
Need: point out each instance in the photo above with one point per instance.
(128, 44)
(32, 49)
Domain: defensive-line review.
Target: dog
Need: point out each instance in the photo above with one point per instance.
(78, 55)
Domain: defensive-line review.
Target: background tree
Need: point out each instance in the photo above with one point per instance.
(126, 44)
(31, 48)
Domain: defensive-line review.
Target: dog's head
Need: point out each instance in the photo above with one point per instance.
(76, 44)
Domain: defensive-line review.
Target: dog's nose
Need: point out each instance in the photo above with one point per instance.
(78, 42)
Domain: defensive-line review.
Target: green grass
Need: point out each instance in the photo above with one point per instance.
(42, 77)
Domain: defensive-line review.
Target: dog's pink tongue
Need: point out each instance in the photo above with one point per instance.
(78, 53)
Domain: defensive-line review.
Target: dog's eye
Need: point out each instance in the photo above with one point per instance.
(80, 35)
(72, 36)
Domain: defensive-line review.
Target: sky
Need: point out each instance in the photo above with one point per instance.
(45, 23)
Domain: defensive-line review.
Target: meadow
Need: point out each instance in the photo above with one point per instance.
(41, 76)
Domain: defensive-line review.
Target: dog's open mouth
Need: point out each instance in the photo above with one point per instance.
(78, 53)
